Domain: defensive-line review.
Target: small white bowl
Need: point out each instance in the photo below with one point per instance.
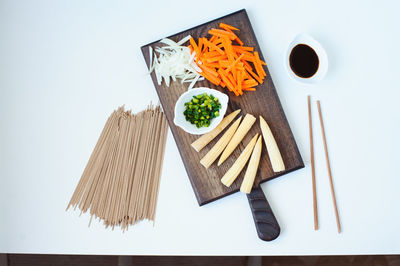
(322, 57)
(180, 119)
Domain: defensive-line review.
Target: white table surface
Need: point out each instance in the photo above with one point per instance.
(66, 65)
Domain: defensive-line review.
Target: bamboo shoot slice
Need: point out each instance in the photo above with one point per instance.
(252, 168)
(244, 127)
(201, 142)
(272, 147)
(239, 164)
(215, 151)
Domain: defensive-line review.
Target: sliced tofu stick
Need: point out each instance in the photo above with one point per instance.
(239, 164)
(252, 168)
(215, 151)
(272, 147)
(244, 127)
(201, 142)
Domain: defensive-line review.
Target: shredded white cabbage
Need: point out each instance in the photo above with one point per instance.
(174, 61)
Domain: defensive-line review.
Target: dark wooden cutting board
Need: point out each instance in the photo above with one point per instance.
(265, 101)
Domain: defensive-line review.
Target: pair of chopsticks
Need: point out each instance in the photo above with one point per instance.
(327, 164)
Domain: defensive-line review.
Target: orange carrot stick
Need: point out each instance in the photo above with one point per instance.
(231, 78)
(243, 48)
(209, 71)
(233, 72)
(222, 33)
(215, 58)
(212, 38)
(204, 45)
(213, 65)
(253, 74)
(226, 80)
(239, 79)
(239, 41)
(246, 75)
(213, 46)
(244, 86)
(211, 54)
(249, 83)
(224, 63)
(210, 78)
(218, 41)
(228, 49)
(248, 57)
(194, 45)
(246, 64)
(200, 45)
(223, 25)
(234, 63)
(247, 53)
(258, 65)
(236, 37)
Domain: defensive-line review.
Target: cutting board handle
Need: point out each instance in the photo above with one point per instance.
(266, 224)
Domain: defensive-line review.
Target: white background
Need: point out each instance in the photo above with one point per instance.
(66, 65)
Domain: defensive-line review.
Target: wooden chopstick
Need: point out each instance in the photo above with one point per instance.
(329, 167)
(314, 190)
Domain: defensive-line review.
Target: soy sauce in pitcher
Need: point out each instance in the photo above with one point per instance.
(303, 61)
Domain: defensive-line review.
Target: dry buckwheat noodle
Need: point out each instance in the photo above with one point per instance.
(121, 180)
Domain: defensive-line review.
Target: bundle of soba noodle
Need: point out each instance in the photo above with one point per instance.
(121, 179)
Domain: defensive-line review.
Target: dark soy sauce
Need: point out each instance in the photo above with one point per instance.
(304, 61)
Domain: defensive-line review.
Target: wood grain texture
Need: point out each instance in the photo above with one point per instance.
(267, 226)
(61, 260)
(265, 101)
(189, 260)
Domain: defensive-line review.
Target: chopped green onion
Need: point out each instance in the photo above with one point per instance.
(202, 109)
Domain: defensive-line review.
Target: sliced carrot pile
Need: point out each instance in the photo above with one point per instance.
(223, 63)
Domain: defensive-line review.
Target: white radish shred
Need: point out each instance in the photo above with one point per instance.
(151, 64)
(193, 82)
(186, 39)
(190, 80)
(150, 56)
(175, 61)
